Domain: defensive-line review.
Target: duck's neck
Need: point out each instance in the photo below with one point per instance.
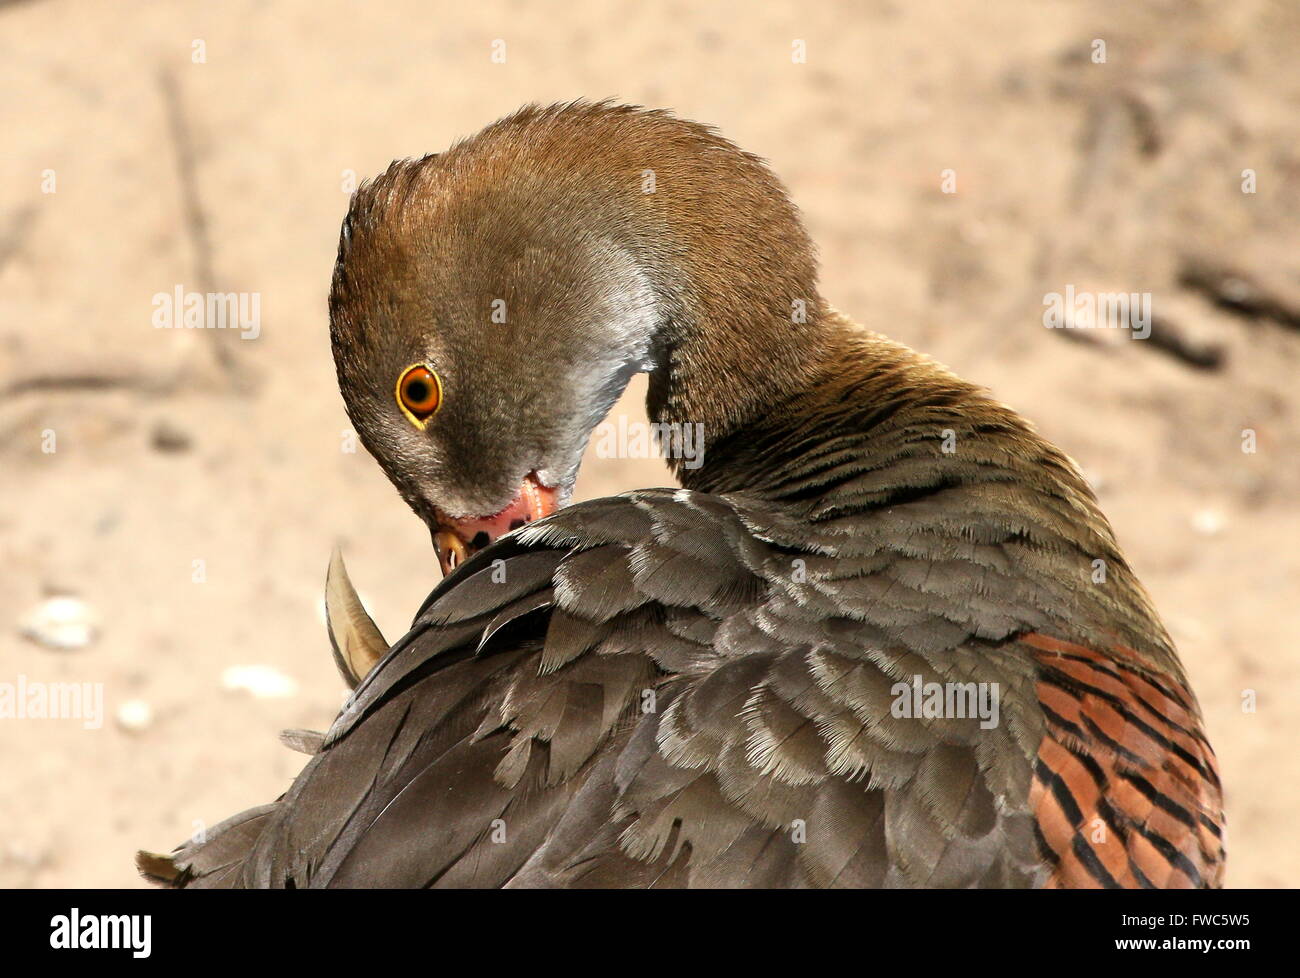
(721, 379)
(740, 324)
(858, 402)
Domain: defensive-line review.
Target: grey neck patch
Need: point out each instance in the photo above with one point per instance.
(629, 316)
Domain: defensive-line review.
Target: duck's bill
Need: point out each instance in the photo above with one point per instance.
(458, 539)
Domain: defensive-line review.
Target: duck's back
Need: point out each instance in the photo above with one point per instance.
(911, 655)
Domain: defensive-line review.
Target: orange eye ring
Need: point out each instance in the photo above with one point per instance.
(419, 393)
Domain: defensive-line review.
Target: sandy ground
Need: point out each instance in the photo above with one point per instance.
(176, 446)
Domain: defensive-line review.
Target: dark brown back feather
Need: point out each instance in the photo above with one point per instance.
(693, 687)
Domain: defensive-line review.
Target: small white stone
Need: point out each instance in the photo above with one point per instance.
(264, 682)
(1208, 522)
(135, 715)
(61, 622)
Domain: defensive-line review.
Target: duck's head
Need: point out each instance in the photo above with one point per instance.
(490, 304)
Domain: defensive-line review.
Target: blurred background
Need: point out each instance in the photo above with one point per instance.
(169, 497)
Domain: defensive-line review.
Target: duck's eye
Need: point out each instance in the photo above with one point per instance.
(419, 393)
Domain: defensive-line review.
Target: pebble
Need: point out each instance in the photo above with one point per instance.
(135, 716)
(1208, 522)
(264, 682)
(169, 437)
(61, 622)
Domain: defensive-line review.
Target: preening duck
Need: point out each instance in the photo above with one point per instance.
(864, 643)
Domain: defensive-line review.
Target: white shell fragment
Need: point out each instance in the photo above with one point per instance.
(61, 622)
(135, 716)
(1208, 522)
(264, 682)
